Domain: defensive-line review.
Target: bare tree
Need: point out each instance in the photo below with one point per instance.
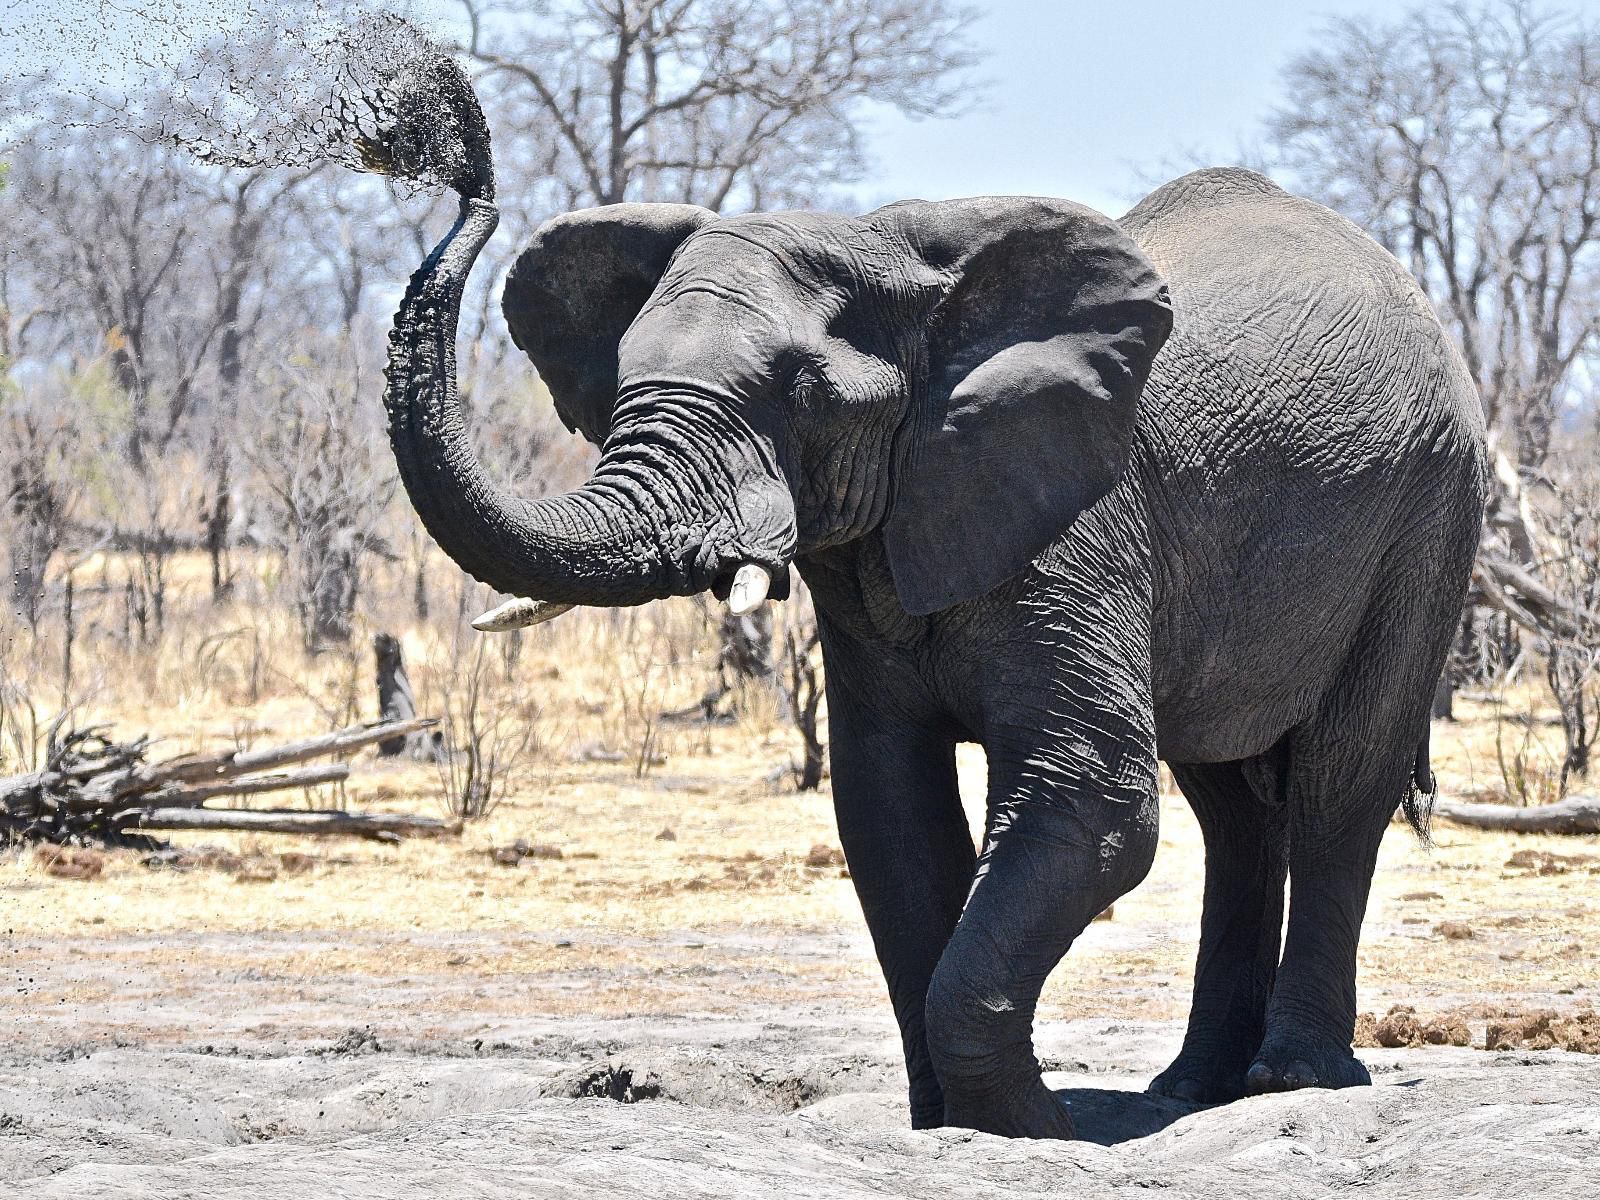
(487, 731)
(39, 488)
(725, 103)
(1467, 140)
(115, 221)
(326, 483)
(183, 277)
(802, 684)
(1572, 641)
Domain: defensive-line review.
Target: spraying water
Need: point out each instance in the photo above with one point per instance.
(314, 83)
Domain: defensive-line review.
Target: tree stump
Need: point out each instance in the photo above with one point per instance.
(396, 702)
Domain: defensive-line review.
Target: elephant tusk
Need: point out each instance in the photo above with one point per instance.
(518, 614)
(750, 584)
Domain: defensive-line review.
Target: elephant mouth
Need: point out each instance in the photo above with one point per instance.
(764, 542)
(709, 490)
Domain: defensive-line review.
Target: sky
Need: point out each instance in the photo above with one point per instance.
(1092, 100)
(1099, 100)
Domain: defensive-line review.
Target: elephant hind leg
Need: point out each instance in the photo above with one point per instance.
(1351, 764)
(1242, 812)
(1339, 811)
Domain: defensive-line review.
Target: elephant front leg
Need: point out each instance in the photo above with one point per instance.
(1054, 858)
(911, 858)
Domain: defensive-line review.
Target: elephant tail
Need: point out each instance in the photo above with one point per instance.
(1421, 791)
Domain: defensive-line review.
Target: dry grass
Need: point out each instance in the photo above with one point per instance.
(652, 921)
(1505, 746)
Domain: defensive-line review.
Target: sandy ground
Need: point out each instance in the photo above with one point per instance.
(789, 1101)
(686, 1001)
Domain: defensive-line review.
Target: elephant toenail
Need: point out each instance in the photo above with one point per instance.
(1299, 1075)
(1260, 1079)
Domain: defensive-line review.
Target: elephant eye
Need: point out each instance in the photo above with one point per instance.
(806, 384)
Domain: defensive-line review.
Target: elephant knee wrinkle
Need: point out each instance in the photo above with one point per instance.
(972, 1036)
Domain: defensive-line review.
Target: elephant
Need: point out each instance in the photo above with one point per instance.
(1200, 485)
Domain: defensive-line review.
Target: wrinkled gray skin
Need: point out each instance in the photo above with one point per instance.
(1025, 527)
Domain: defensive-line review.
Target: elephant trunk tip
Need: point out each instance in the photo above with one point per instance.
(432, 129)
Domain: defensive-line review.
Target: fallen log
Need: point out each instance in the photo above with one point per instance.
(1575, 814)
(92, 789)
(323, 823)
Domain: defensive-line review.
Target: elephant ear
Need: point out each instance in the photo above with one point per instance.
(574, 291)
(1037, 352)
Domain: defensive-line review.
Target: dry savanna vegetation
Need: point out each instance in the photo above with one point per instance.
(204, 537)
(632, 844)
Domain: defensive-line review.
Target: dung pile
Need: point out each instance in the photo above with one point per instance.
(1401, 1026)
(1504, 1028)
(1544, 1029)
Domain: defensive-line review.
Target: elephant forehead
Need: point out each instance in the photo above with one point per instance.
(724, 312)
(813, 252)
(695, 338)
(729, 269)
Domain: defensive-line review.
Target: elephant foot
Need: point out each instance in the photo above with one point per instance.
(1286, 1066)
(1200, 1076)
(927, 1111)
(1021, 1112)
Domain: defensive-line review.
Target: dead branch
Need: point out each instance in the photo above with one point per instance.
(324, 823)
(1575, 814)
(232, 763)
(181, 796)
(1535, 606)
(1496, 596)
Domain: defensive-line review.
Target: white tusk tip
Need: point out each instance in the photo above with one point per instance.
(750, 584)
(518, 614)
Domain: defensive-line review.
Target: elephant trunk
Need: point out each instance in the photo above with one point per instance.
(595, 545)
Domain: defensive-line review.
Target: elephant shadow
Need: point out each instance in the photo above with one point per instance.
(1108, 1116)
